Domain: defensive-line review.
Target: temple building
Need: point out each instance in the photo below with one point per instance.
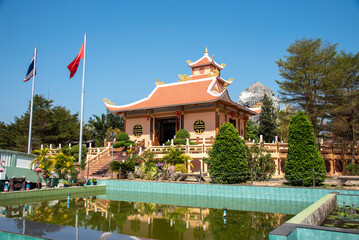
(199, 103)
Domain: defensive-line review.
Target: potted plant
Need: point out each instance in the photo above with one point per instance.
(94, 181)
(81, 182)
(66, 183)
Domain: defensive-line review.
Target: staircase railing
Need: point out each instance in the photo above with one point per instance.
(95, 154)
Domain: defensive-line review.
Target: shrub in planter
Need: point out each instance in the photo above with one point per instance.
(94, 181)
(303, 153)
(81, 182)
(122, 136)
(127, 143)
(119, 144)
(67, 183)
(182, 134)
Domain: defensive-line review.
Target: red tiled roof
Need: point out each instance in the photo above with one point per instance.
(171, 94)
(203, 61)
(195, 77)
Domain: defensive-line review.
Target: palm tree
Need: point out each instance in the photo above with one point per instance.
(63, 164)
(98, 127)
(43, 163)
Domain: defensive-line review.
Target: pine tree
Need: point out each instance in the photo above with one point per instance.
(308, 74)
(252, 131)
(267, 120)
(228, 162)
(344, 114)
(303, 153)
(283, 120)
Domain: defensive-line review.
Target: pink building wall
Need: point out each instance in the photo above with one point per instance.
(130, 123)
(207, 117)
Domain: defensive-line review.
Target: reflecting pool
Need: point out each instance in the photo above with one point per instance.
(245, 219)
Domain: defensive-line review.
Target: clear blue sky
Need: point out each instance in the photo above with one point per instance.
(130, 44)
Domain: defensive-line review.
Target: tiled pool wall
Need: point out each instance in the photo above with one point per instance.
(16, 196)
(305, 225)
(232, 191)
(306, 232)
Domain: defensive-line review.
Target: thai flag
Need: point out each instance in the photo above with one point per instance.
(31, 71)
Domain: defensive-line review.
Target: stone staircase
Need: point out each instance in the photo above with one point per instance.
(100, 168)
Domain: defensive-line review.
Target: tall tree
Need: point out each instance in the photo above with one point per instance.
(251, 131)
(267, 120)
(50, 125)
(283, 120)
(344, 114)
(98, 126)
(308, 75)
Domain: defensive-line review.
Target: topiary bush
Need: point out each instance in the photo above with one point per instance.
(228, 161)
(124, 144)
(122, 136)
(182, 134)
(303, 153)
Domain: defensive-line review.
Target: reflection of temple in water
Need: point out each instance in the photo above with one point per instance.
(157, 221)
(179, 219)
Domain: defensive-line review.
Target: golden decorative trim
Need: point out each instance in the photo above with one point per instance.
(188, 61)
(212, 57)
(225, 87)
(105, 100)
(214, 73)
(223, 64)
(184, 77)
(230, 80)
(206, 51)
(159, 82)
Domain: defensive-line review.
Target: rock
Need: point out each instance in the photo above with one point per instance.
(130, 176)
(138, 173)
(251, 97)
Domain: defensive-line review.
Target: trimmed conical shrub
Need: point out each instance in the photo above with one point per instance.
(228, 162)
(303, 153)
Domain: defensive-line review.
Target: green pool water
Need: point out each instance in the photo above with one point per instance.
(157, 218)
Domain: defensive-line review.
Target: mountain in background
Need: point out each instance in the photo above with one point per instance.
(252, 98)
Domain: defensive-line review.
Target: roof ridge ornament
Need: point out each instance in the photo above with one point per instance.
(214, 73)
(188, 61)
(223, 64)
(159, 82)
(206, 51)
(225, 87)
(105, 100)
(183, 78)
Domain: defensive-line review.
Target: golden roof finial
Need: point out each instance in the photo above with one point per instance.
(206, 51)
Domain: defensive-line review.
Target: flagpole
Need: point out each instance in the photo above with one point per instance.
(32, 104)
(82, 100)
